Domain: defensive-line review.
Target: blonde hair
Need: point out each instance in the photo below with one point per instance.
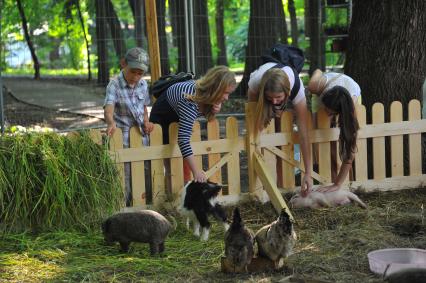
(210, 88)
(273, 80)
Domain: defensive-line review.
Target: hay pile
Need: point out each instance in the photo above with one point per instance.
(333, 243)
(49, 181)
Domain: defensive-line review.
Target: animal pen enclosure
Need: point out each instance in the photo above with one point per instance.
(262, 153)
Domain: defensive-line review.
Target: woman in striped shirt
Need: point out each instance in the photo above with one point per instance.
(184, 102)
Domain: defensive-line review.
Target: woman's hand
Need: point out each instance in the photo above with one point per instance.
(148, 127)
(200, 176)
(306, 186)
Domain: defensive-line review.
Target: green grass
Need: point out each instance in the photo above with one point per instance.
(48, 72)
(76, 257)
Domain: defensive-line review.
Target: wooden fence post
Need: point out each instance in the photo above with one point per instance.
(213, 134)
(287, 169)
(270, 159)
(233, 166)
(157, 169)
(252, 144)
(324, 159)
(415, 140)
(116, 143)
(397, 154)
(379, 168)
(361, 168)
(176, 163)
(138, 170)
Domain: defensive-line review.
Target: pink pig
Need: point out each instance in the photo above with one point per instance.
(327, 199)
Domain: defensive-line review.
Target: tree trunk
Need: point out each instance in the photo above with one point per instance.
(281, 22)
(177, 11)
(220, 34)
(203, 48)
(293, 23)
(263, 33)
(161, 23)
(386, 51)
(137, 7)
(80, 16)
(28, 39)
(115, 28)
(101, 42)
(313, 31)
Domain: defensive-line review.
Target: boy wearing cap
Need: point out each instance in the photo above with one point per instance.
(126, 102)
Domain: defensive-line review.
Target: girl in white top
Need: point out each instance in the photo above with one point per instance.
(338, 94)
(271, 87)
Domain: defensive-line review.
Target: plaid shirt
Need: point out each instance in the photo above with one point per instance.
(118, 92)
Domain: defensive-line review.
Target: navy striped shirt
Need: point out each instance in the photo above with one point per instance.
(187, 111)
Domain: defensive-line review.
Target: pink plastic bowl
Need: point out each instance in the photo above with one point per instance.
(388, 261)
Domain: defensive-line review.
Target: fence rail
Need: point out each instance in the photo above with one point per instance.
(213, 152)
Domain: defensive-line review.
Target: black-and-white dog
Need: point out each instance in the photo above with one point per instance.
(199, 200)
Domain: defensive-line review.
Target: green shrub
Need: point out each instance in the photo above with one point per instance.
(49, 182)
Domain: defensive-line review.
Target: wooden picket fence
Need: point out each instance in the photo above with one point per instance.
(263, 151)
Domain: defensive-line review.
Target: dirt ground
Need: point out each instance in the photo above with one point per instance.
(20, 113)
(17, 112)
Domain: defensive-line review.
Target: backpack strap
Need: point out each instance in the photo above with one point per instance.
(296, 86)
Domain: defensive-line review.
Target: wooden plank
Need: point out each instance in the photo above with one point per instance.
(277, 139)
(213, 134)
(252, 141)
(269, 184)
(216, 167)
(396, 143)
(153, 43)
(225, 145)
(339, 162)
(96, 136)
(313, 148)
(394, 129)
(415, 140)
(270, 159)
(196, 137)
(138, 171)
(157, 170)
(176, 163)
(233, 166)
(287, 168)
(324, 159)
(326, 135)
(361, 168)
(378, 144)
(170, 151)
(115, 144)
(296, 163)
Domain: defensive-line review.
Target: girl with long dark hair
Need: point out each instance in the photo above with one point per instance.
(338, 94)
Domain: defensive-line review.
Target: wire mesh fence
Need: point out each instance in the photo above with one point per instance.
(68, 37)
